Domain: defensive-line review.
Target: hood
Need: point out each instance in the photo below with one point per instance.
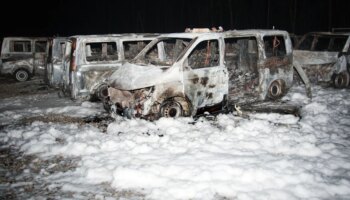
(131, 76)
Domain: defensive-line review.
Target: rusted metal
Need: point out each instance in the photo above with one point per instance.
(23, 57)
(90, 59)
(324, 57)
(182, 74)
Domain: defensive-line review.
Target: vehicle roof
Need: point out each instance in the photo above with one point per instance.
(186, 35)
(330, 33)
(25, 38)
(251, 32)
(59, 38)
(256, 32)
(120, 36)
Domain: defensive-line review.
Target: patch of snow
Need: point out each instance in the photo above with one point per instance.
(261, 157)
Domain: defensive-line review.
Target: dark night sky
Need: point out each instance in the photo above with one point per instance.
(63, 17)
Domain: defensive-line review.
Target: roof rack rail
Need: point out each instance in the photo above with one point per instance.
(340, 29)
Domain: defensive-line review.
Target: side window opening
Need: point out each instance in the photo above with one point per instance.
(274, 46)
(322, 43)
(101, 51)
(337, 44)
(241, 55)
(132, 48)
(40, 46)
(205, 54)
(20, 46)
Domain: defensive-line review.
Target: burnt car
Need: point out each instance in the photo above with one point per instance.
(90, 59)
(325, 58)
(24, 57)
(182, 74)
(54, 69)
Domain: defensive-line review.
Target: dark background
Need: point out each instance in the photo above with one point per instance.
(65, 18)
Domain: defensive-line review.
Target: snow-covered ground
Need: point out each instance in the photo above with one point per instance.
(263, 156)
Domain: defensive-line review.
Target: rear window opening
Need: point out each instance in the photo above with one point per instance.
(101, 51)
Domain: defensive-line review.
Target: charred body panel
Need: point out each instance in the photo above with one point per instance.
(325, 58)
(23, 57)
(201, 70)
(89, 60)
(54, 69)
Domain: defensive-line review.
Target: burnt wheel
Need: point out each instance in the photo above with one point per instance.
(21, 75)
(341, 80)
(171, 109)
(102, 92)
(276, 89)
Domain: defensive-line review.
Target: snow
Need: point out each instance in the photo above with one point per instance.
(265, 156)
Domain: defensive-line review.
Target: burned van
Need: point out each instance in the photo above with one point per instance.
(24, 57)
(89, 59)
(54, 69)
(182, 74)
(325, 57)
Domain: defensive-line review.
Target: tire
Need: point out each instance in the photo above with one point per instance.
(171, 109)
(276, 89)
(21, 75)
(102, 92)
(341, 80)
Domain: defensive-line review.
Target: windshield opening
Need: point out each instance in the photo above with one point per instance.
(164, 52)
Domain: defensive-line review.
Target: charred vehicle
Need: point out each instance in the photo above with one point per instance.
(54, 69)
(89, 60)
(325, 58)
(183, 74)
(24, 57)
